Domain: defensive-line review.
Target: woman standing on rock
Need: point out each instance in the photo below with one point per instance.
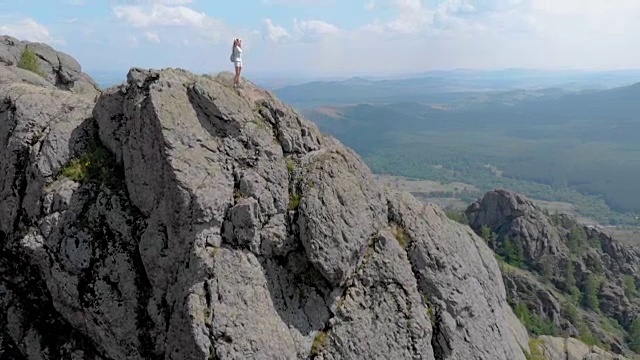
(236, 59)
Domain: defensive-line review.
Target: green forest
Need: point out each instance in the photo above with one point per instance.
(580, 148)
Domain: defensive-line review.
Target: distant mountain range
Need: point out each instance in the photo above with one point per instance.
(553, 144)
(448, 86)
(310, 87)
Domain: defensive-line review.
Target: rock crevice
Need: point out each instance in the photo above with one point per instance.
(178, 218)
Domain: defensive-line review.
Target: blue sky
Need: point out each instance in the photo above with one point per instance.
(334, 37)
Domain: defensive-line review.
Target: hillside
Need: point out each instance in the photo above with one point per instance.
(449, 86)
(576, 148)
(562, 278)
(175, 217)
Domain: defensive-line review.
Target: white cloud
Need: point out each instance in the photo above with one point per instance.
(433, 34)
(160, 15)
(28, 29)
(274, 33)
(303, 30)
(156, 16)
(412, 18)
(152, 36)
(314, 30)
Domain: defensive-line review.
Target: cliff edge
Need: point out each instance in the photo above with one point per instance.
(176, 218)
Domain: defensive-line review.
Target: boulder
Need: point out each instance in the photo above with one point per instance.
(57, 69)
(180, 218)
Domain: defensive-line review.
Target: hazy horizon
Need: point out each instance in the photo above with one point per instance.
(333, 38)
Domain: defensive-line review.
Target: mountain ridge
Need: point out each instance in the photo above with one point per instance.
(175, 217)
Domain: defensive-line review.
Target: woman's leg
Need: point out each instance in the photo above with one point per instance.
(236, 79)
(238, 73)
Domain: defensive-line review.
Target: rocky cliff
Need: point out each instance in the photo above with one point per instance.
(574, 280)
(174, 217)
(53, 69)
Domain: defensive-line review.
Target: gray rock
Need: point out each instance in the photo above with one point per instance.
(509, 213)
(458, 274)
(554, 348)
(217, 223)
(37, 129)
(60, 70)
(341, 208)
(548, 250)
(12, 74)
(12, 48)
(381, 315)
(244, 224)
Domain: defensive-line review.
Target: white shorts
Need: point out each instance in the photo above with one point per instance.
(238, 63)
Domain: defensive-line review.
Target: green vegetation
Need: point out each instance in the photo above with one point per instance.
(95, 165)
(556, 149)
(590, 299)
(536, 351)
(29, 61)
(570, 280)
(577, 239)
(630, 289)
(534, 323)
(399, 233)
(290, 166)
(512, 251)
(294, 201)
(579, 149)
(571, 312)
(489, 236)
(634, 335)
(586, 336)
(458, 216)
(318, 343)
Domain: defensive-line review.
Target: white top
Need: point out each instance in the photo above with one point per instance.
(236, 55)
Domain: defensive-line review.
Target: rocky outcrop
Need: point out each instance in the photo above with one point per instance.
(512, 214)
(178, 218)
(565, 257)
(553, 348)
(56, 68)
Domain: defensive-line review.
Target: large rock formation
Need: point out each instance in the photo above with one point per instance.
(553, 348)
(55, 68)
(178, 218)
(564, 257)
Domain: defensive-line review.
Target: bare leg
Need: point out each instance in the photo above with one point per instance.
(236, 79)
(238, 72)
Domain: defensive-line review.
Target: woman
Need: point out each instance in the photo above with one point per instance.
(236, 58)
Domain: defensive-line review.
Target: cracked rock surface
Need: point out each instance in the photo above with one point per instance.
(58, 70)
(178, 218)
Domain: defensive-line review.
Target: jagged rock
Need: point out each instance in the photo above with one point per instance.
(525, 288)
(548, 250)
(614, 302)
(341, 209)
(512, 214)
(12, 74)
(382, 314)
(458, 274)
(205, 222)
(554, 348)
(39, 129)
(59, 69)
